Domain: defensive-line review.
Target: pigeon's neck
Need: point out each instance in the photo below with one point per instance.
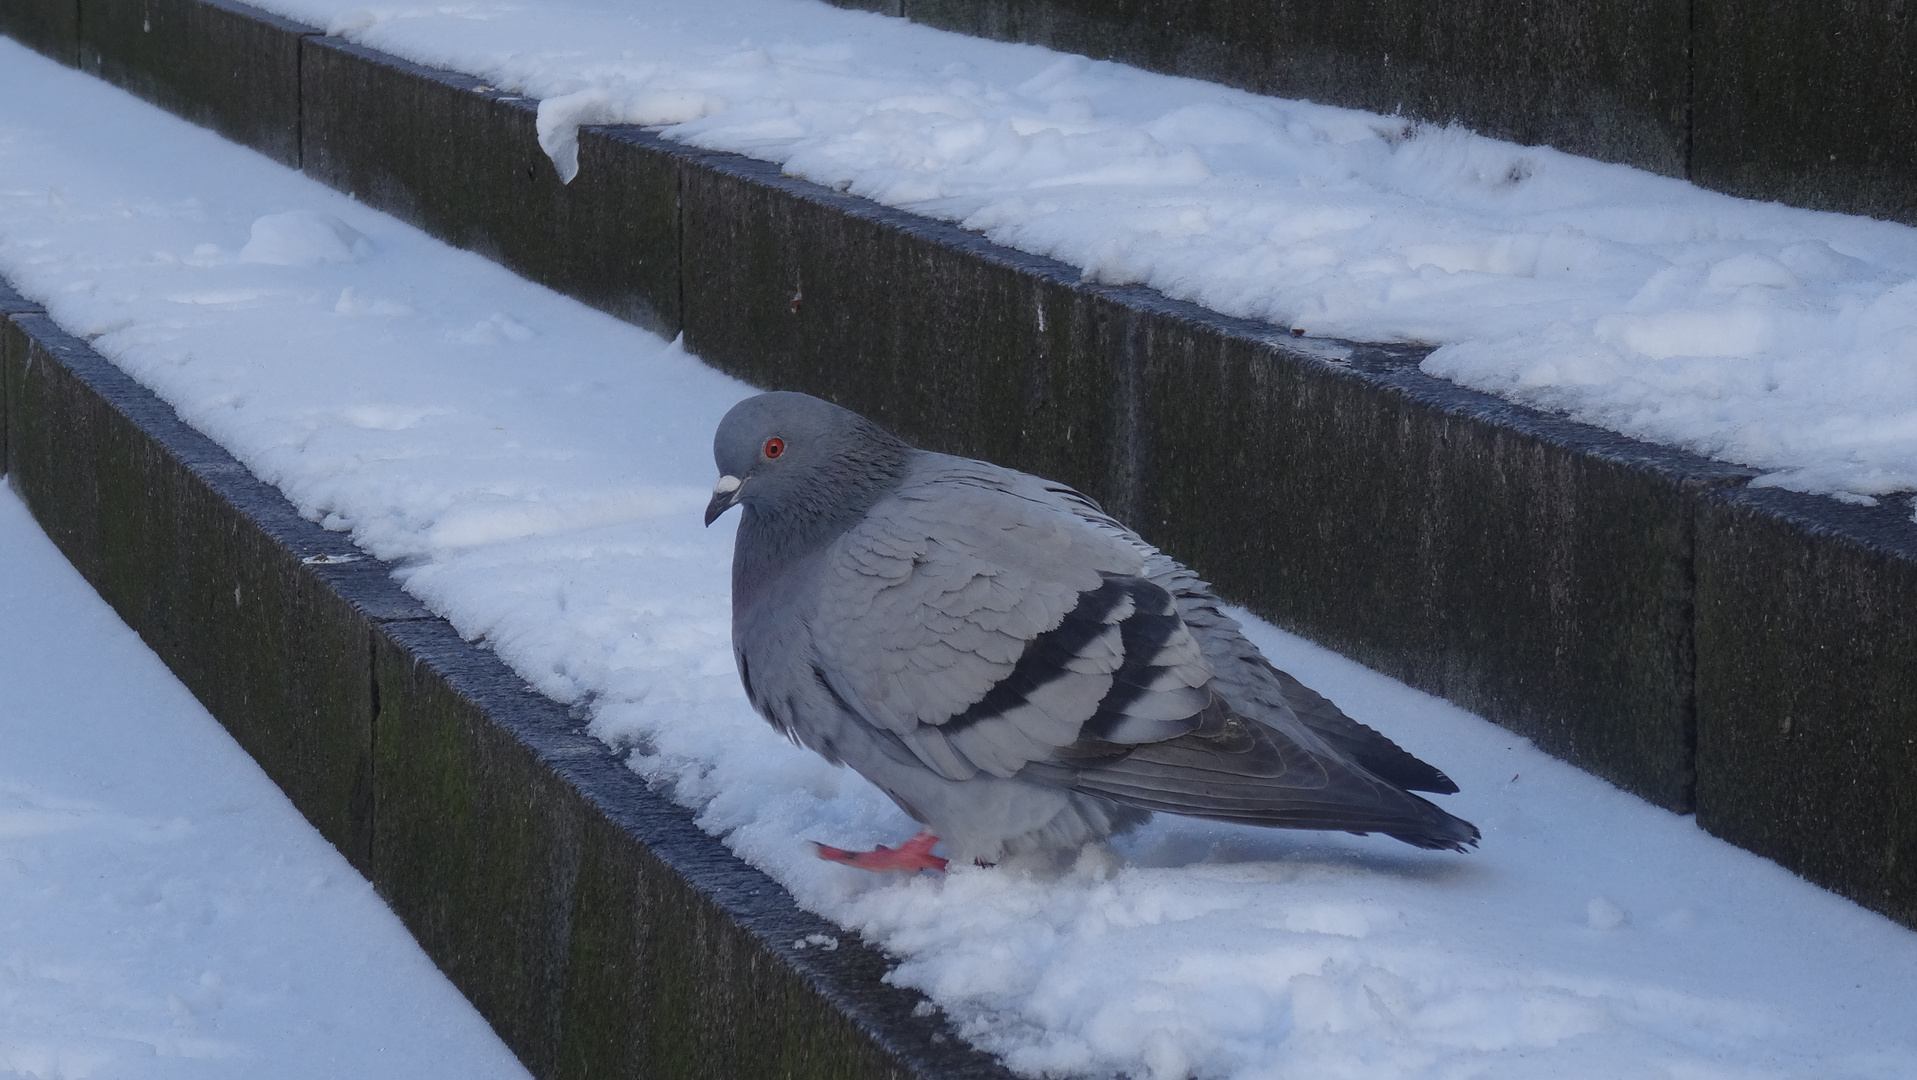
(774, 539)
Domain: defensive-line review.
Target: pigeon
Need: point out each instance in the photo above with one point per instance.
(1017, 670)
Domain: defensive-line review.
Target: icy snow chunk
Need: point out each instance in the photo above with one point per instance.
(1338, 919)
(495, 329)
(304, 238)
(495, 518)
(25, 811)
(1604, 914)
(561, 117)
(354, 21)
(352, 303)
(219, 296)
(389, 417)
(1726, 331)
(1750, 269)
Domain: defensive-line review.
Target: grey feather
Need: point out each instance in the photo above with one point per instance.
(1014, 667)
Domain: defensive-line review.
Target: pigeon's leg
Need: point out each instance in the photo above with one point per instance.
(914, 854)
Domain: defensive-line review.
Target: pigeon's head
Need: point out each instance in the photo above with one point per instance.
(795, 456)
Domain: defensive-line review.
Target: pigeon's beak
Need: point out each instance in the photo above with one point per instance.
(724, 494)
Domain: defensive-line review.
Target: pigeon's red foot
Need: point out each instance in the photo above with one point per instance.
(914, 854)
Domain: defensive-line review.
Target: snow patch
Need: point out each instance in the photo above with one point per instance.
(303, 238)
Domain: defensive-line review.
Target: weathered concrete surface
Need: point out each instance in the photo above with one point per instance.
(1606, 78)
(506, 841)
(49, 27)
(955, 343)
(597, 929)
(1532, 569)
(153, 515)
(1807, 688)
(11, 303)
(462, 161)
(477, 844)
(223, 65)
(1813, 104)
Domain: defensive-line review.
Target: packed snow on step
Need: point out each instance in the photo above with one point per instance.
(1774, 337)
(167, 912)
(537, 470)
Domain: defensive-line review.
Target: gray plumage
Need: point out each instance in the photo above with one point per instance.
(1017, 670)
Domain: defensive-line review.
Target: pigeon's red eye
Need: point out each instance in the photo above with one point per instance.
(774, 447)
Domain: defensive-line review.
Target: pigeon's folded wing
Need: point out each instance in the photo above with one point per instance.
(989, 627)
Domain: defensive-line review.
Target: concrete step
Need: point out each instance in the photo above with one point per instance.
(1636, 610)
(593, 925)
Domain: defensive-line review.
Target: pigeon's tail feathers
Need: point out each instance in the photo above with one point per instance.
(1447, 832)
(1413, 820)
(1246, 678)
(1387, 760)
(1232, 769)
(1381, 757)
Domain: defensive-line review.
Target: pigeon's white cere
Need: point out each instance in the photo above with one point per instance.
(726, 485)
(544, 492)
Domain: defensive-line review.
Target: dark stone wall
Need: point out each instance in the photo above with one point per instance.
(1533, 570)
(11, 303)
(49, 27)
(1813, 104)
(222, 65)
(1807, 688)
(961, 346)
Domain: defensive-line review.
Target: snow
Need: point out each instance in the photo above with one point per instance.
(1774, 337)
(303, 238)
(167, 912)
(537, 471)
